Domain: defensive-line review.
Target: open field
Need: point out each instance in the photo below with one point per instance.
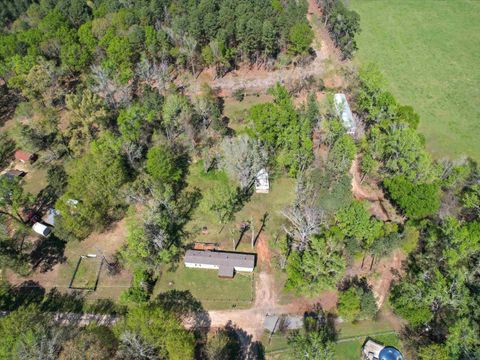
(206, 286)
(429, 53)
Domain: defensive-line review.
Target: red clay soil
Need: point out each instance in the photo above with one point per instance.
(382, 274)
(369, 191)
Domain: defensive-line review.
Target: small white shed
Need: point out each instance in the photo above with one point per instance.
(344, 112)
(262, 185)
(41, 229)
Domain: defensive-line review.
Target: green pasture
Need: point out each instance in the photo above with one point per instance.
(429, 52)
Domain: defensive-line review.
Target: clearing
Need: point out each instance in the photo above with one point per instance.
(208, 288)
(58, 261)
(428, 51)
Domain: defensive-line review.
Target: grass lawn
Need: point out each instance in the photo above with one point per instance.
(206, 286)
(237, 111)
(429, 52)
(281, 194)
(348, 350)
(87, 272)
(35, 180)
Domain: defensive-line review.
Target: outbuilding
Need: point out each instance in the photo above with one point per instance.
(24, 156)
(14, 173)
(225, 262)
(262, 184)
(345, 114)
(42, 229)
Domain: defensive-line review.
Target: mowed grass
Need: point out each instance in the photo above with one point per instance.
(429, 52)
(86, 275)
(206, 286)
(258, 206)
(350, 349)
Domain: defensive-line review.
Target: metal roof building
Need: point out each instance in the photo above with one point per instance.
(225, 262)
(344, 112)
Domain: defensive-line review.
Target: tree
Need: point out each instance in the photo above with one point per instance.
(176, 112)
(342, 23)
(315, 341)
(93, 187)
(223, 345)
(7, 147)
(301, 36)
(340, 157)
(93, 342)
(151, 330)
(349, 304)
(28, 333)
(416, 200)
(471, 198)
(356, 223)
(317, 268)
(305, 216)
(242, 159)
(162, 165)
(13, 200)
(87, 117)
(222, 201)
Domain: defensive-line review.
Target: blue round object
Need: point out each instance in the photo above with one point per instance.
(390, 353)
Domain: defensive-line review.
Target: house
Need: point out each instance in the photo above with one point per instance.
(24, 156)
(12, 174)
(344, 112)
(262, 185)
(41, 229)
(225, 262)
(372, 350)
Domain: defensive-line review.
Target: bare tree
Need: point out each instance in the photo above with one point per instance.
(133, 347)
(188, 48)
(243, 158)
(304, 216)
(114, 93)
(157, 75)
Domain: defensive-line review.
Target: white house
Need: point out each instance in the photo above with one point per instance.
(225, 262)
(262, 185)
(344, 112)
(41, 229)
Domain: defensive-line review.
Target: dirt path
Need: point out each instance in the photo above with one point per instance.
(258, 79)
(382, 274)
(380, 207)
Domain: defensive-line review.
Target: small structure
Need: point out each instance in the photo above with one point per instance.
(14, 173)
(225, 262)
(49, 218)
(344, 112)
(42, 229)
(372, 350)
(262, 185)
(24, 156)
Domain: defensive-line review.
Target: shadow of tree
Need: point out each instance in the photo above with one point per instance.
(28, 292)
(248, 349)
(185, 305)
(47, 253)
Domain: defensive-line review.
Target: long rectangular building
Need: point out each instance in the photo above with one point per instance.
(225, 262)
(344, 112)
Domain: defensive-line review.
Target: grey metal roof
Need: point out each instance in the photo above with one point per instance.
(225, 271)
(220, 258)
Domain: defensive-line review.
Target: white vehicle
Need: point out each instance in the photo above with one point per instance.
(42, 229)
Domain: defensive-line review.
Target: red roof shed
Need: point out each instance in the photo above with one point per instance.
(23, 156)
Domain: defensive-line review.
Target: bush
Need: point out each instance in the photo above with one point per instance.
(239, 94)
